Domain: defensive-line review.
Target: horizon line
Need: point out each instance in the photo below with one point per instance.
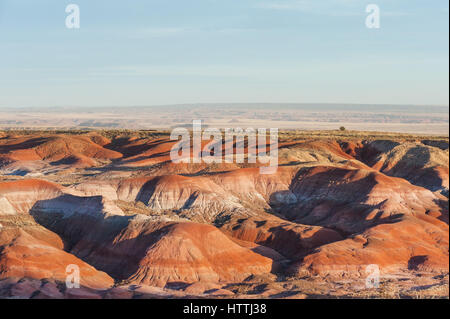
(224, 103)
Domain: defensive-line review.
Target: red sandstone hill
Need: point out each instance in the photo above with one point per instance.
(178, 252)
(390, 246)
(78, 151)
(28, 250)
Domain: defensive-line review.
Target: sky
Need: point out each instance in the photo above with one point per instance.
(155, 52)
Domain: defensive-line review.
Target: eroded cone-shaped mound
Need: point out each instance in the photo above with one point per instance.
(191, 252)
(28, 250)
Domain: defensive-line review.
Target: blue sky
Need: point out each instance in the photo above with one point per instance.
(198, 51)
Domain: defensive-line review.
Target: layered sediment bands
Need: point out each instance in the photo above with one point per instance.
(28, 250)
(423, 164)
(190, 252)
(155, 252)
(292, 240)
(351, 200)
(392, 247)
(144, 152)
(251, 186)
(381, 216)
(178, 192)
(145, 250)
(23, 194)
(74, 217)
(6, 208)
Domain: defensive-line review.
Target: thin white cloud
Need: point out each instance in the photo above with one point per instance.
(286, 5)
(324, 7)
(186, 70)
(161, 32)
(158, 32)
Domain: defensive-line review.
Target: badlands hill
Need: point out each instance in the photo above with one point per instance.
(138, 225)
